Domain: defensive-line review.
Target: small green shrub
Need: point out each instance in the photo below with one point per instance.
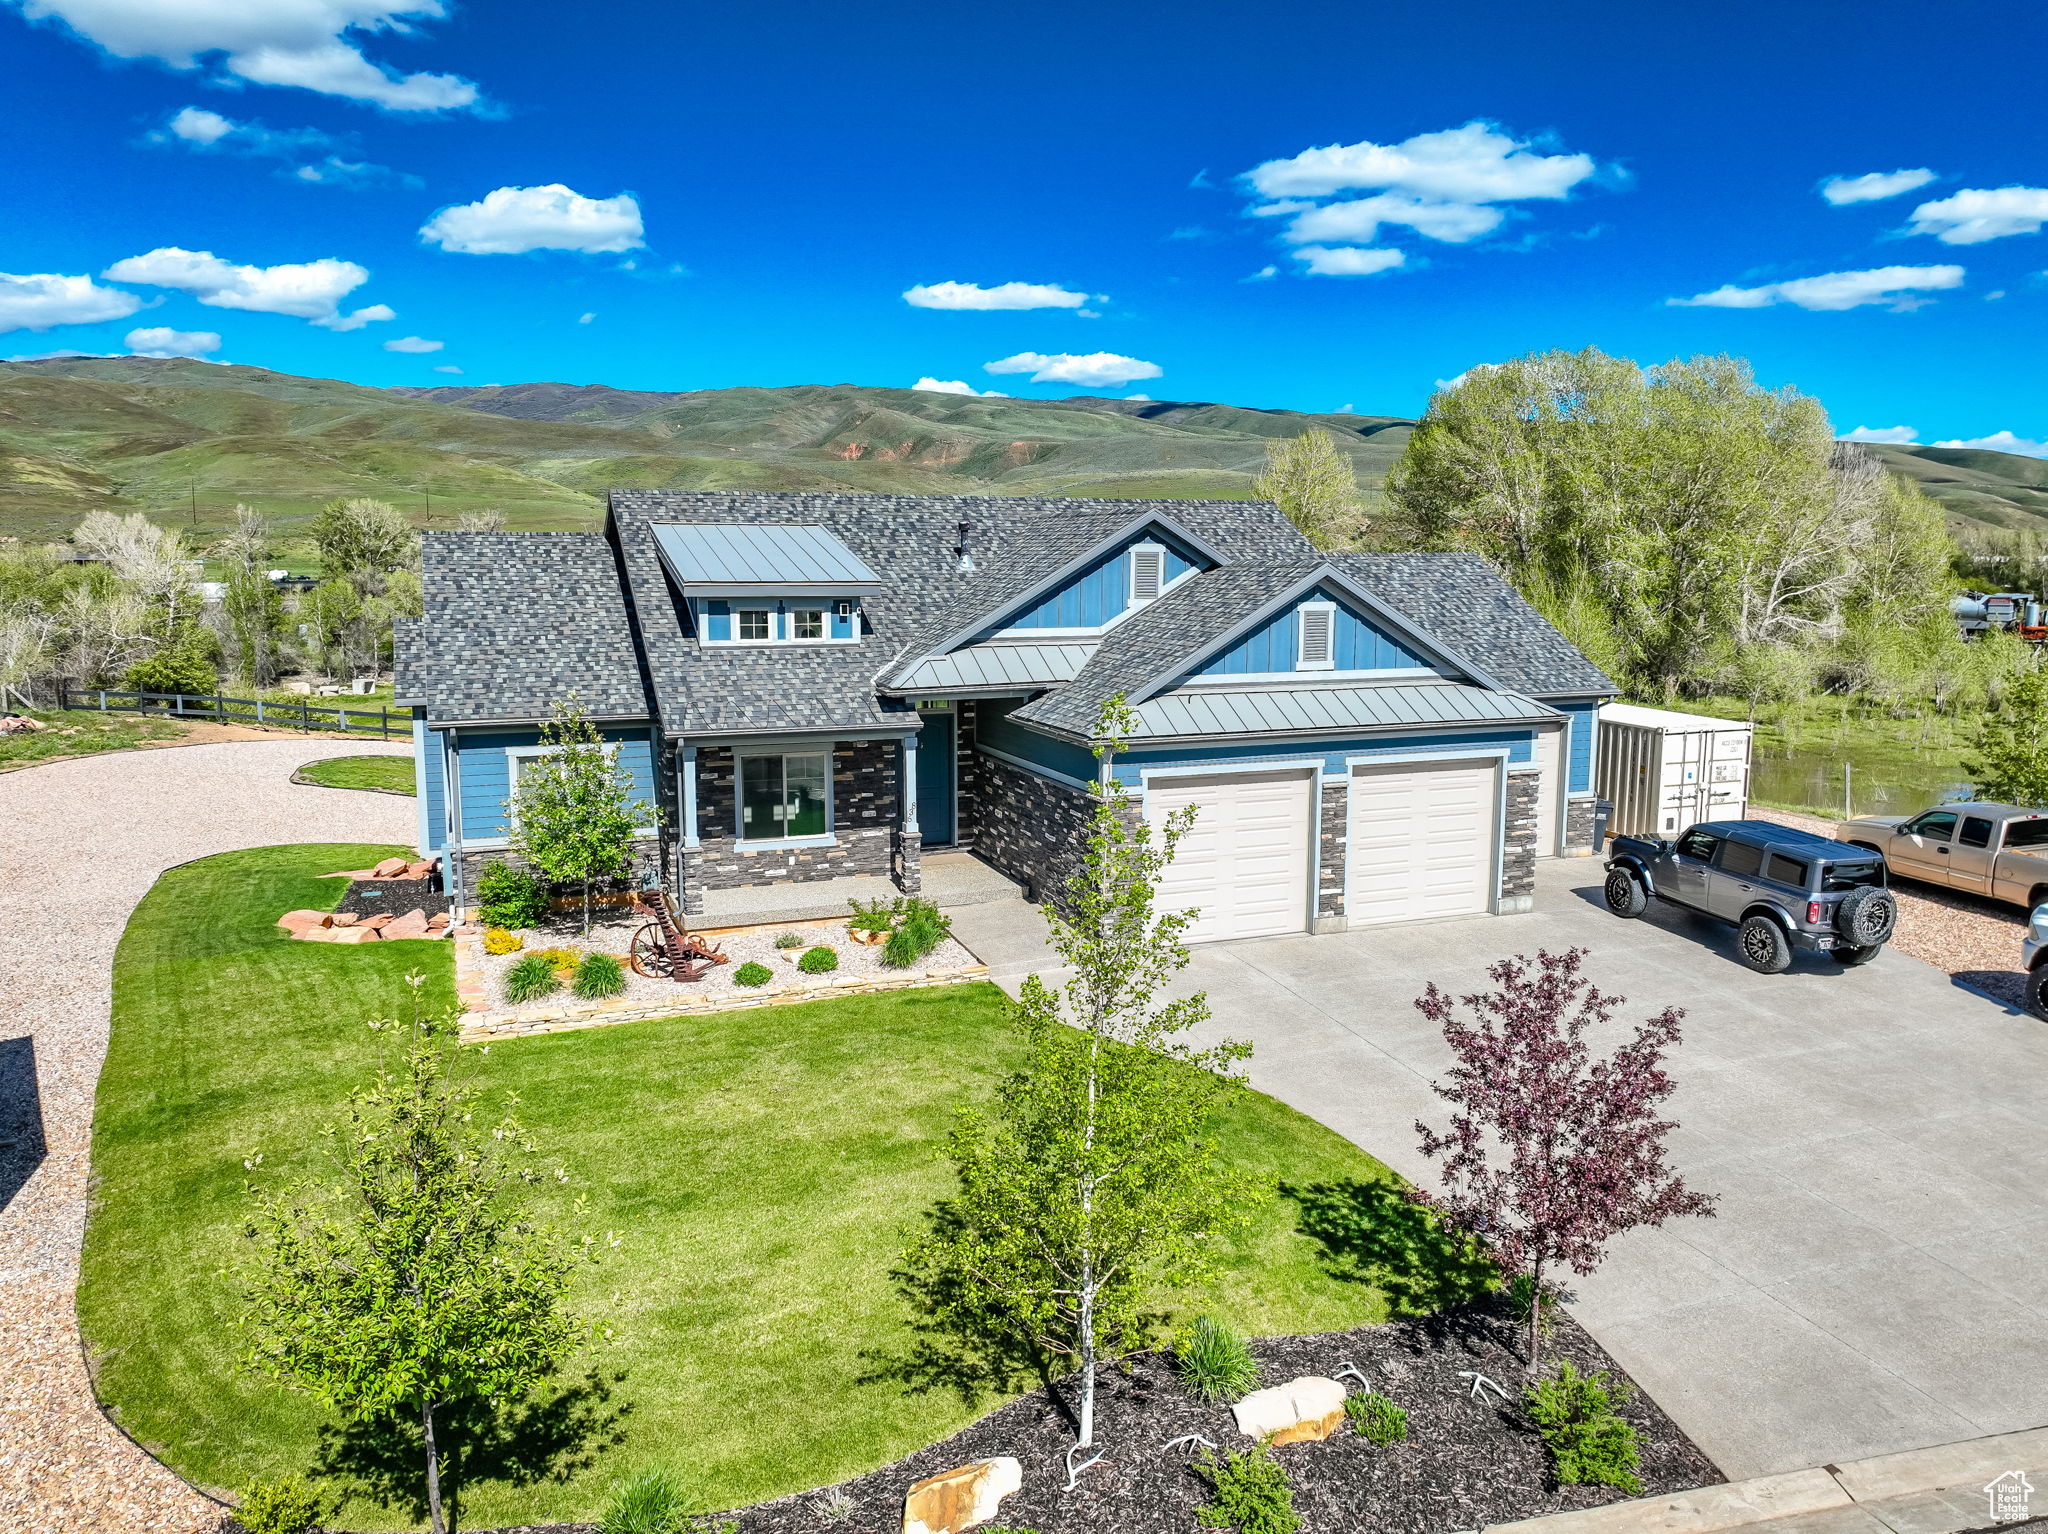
(510, 897)
(497, 940)
(530, 979)
(650, 1503)
(1589, 1443)
(818, 961)
(599, 976)
(1521, 1293)
(920, 928)
(1213, 1361)
(789, 940)
(1248, 1492)
(287, 1506)
(185, 665)
(872, 915)
(1378, 1421)
(752, 974)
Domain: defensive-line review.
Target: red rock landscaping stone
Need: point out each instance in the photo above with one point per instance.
(412, 924)
(390, 868)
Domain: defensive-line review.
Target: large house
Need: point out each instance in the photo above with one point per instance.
(811, 686)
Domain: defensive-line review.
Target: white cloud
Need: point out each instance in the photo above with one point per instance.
(1974, 216)
(1879, 434)
(2004, 442)
(1348, 260)
(1145, 397)
(306, 151)
(309, 290)
(413, 344)
(1004, 295)
(162, 341)
(44, 300)
(302, 43)
(585, 319)
(516, 219)
(1889, 285)
(1095, 370)
(1475, 163)
(447, 367)
(1875, 187)
(1358, 221)
(196, 125)
(1263, 274)
(956, 386)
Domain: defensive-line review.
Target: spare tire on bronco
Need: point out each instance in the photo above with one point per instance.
(1867, 916)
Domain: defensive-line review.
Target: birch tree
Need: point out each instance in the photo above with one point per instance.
(1089, 1186)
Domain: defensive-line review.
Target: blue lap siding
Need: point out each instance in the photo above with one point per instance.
(1582, 717)
(484, 776)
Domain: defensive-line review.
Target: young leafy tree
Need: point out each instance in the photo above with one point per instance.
(1314, 483)
(574, 811)
(1551, 1153)
(406, 1282)
(2009, 756)
(1089, 1185)
(362, 541)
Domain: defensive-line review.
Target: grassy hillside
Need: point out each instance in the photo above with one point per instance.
(1989, 490)
(167, 436)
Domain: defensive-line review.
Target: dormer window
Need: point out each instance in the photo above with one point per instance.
(807, 623)
(1315, 636)
(756, 623)
(1148, 572)
(753, 583)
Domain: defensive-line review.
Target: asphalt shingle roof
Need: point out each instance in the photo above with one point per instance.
(513, 623)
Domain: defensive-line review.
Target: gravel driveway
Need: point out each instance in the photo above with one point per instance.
(82, 842)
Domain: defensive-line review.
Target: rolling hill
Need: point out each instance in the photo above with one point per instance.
(186, 440)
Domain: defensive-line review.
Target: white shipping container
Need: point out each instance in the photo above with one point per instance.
(1663, 770)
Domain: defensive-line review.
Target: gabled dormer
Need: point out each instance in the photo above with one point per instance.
(1133, 572)
(1320, 635)
(754, 585)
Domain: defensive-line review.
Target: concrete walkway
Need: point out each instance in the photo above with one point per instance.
(1873, 1281)
(81, 842)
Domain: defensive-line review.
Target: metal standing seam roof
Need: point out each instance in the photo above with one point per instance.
(705, 556)
(999, 665)
(1219, 711)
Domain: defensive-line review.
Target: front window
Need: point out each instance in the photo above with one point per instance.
(807, 623)
(1937, 826)
(782, 796)
(756, 623)
(1698, 844)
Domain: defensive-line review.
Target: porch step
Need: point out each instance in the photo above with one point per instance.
(951, 880)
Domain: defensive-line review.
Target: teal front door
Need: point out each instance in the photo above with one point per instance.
(935, 777)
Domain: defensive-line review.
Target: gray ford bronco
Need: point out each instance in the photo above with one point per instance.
(1783, 889)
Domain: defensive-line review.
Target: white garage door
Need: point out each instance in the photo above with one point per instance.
(1422, 841)
(1245, 864)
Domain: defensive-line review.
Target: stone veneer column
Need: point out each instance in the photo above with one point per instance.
(1335, 834)
(1518, 845)
(1578, 829)
(908, 874)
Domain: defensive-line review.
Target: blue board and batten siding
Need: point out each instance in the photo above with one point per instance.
(1361, 645)
(483, 767)
(1101, 592)
(1582, 720)
(715, 617)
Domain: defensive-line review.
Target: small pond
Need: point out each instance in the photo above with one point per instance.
(1879, 783)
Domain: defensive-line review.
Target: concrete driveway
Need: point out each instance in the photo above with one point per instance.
(1877, 1276)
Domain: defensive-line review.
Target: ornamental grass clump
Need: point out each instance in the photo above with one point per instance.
(1248, 1492)
(649, 1503)
(531, 979)
(1378, 1420)
(751, 974)
(1213, 1362)
(286, 1506)
(919, 929)
(599, 976)
(872, 915)
(789, 940)
(1591, 1444)
(818, 961)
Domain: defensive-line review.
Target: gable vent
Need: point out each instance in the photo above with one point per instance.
(1318, 636)
(1148, 571)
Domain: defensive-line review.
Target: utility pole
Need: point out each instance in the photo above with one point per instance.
(192, 514)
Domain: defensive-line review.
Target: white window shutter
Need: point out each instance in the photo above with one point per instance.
(1318, 633)
(1148, 572)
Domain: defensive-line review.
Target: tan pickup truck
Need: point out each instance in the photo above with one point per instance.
(1998, 850)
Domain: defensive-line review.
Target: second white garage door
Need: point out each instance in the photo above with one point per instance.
(1245, 864)
(1422, 841)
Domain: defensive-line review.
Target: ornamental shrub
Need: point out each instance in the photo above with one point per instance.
(498, 941)
(751, 974)
(1590, 1443)
(1378, 1420)
(185, 665)
(562, 960)
(599, 976)
(920, 928)
(510, 897)
(530, 979)
(287, 1506)
(789, 940)
(1213, 1361)
(1248, 1492)
(818, 961)
(872, 915)
(650, 1503)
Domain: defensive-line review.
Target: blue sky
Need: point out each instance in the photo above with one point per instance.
(1197, 205)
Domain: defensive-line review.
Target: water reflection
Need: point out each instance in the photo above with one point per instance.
(1814, 780)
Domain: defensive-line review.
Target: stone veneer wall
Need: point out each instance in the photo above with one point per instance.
(1033, 829)
(1578, 828)
(1518, 844)
(966, 791)
(1335, 831)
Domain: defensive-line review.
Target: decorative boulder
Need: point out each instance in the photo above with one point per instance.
(417, 870)
(960, 1499)
(353, 935)
(344, 919)
(296, 922)
(412, 924)
(381, 919)
(1299, 1411)
(390, 868)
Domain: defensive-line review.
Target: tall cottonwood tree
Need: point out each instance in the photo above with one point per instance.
(1309, 479)
(1551, 1153)
(1089, 1184)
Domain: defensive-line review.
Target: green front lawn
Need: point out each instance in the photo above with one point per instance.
(81, 732)
(392, 774)
(763, 1168)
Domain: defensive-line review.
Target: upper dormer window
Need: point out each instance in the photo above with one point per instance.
(1148, 571)
(1316, 636)
(756, 583)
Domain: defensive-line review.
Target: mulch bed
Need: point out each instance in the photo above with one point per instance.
(375, 897)
(1465, 1464)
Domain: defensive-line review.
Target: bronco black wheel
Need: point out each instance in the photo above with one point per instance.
(1625, 896)
(1867, 916)
(1851, 957)
(1764, 945)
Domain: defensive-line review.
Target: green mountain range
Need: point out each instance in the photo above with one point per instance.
(185, 441)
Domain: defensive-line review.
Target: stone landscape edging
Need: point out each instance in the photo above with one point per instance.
(1861, 1486)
